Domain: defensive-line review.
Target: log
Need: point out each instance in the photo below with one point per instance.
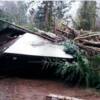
(88, 47)
(90, 43)
(60, 97)
(72, 32)
(63, 32)
(86, 37)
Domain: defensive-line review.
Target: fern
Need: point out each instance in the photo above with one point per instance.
(78, 72)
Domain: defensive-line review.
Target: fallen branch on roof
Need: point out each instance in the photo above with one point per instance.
(29, 31)
(68, 32)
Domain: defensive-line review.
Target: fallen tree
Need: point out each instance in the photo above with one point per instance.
(90, 43)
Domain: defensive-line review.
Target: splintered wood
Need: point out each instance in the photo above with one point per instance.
(87, 40)
(59, 97)
(53, 97)
(90, 43)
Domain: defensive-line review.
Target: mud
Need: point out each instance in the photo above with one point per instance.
(36, 89)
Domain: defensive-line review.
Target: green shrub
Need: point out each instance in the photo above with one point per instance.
(70, 47)
(95, 65)
(79, 72)
(75, 73)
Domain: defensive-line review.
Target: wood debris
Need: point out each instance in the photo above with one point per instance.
(60, 97)
(87, 40)
(90, 42)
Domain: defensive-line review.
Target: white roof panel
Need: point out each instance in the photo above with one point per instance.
(30, 44)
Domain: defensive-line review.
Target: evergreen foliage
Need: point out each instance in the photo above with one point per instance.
(43, 17)
(87, 15)
(50, 13)
(79, 71)
(14, 12)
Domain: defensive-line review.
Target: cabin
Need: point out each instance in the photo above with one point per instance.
(24, 52)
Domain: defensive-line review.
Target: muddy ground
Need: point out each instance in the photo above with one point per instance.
(35, 89)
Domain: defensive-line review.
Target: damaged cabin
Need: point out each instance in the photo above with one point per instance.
(26, 52)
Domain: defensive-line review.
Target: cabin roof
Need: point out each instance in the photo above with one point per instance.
(32, 44)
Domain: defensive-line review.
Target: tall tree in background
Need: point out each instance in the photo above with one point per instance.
(14, 12)
(3, 16)
(21, 12)
(49, 13)
(62, 12)
(58, 13)
(87, 15)
(43, 17)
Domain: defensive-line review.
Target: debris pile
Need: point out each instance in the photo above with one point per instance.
(87, 40)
